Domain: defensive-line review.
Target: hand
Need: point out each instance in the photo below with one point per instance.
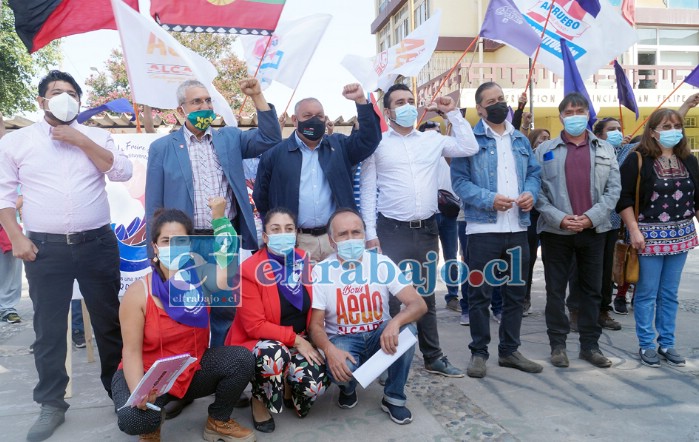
(626, 139)
(151, 398)
(522, 100)
(638, 242)
(336, 363)
(373, 244)
(525, 201)
(282, 120)
(354, 92)
(68, 134)
(23, 248)
(329, 126)
(585, 221)
(389, 337)
(217, 205)
(19, 203)
(502, 203)
(571, 223)
(527, 120)
(445, 104)
(250, 87)
(692, 101)
(307, 350)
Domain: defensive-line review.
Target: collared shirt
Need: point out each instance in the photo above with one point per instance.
(404, 170)
(577, 168)
(316, 202)
(208, 178)
(63, 190)
(507, 222)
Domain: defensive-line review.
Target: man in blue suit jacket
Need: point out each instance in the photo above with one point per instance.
(189, 166)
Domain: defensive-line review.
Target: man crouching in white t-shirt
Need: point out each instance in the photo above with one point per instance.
(350, 320)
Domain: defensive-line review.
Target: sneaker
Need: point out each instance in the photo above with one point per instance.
(649, 357)
(443, 366)
(619, 306)
(476, 368)
(606, 321)
(347, 400)
(465, 320)
(78, 339)
(672, 357)
(596, 358)
(400, 415)
(49, 419)
(497, 317)
(453, 304)
(573, 320)
(227, 431)
(516, 360)
(12, 318)
(559, 358)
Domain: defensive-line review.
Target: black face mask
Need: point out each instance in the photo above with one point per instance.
(497, 113)
(313, 128)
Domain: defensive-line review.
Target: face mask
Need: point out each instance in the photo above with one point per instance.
(202, 119)
(351, 249)
(166, 259)
(669, 138)
(575, 125)
(614, 138)
(313, 128)
(497, 113)
(64, 107)
(406, 115)
(281, 243)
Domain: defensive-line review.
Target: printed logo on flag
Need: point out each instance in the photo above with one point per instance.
(509, 14)
(381, 62)
(165, 63)
(567, 17)
(551, 42)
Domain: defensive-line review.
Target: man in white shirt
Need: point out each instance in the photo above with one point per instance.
(61, 167)
(404, 172)
(498, 186)
(350, 320)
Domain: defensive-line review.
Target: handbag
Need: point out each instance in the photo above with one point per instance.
(625, 267)
(448, 204)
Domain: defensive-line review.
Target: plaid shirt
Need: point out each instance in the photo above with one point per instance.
(208, 177)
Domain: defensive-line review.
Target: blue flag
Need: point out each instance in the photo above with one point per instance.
(592, 7)
(693, 77)
(118, 106)
(504, 22)
(572, 81)
(624, 90)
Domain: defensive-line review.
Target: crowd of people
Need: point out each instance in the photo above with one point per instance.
(344, 263)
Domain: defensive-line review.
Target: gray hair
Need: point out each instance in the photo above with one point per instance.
(305, 100)
(182, 89)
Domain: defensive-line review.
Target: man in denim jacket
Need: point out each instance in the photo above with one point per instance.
(498, 186)
(580, 185)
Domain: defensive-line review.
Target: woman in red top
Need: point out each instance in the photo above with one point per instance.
(153, 329)
(272, 321)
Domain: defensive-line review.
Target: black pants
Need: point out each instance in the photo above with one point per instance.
(607, 285)
(587, 248)
(399, 242)
(95, 264)
(225, 371)
(533, 240)
(483, 248)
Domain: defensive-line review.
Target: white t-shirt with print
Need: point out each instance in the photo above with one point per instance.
(355, 300)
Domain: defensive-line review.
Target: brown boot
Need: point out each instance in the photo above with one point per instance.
(150, 437)
(606, 321)
(228, 431)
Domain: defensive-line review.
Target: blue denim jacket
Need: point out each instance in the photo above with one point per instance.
(474, 178)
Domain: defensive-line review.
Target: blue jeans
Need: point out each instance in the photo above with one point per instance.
(362, 346)
(449, 241)
(656, 295)
(76, 309)
(496, 296)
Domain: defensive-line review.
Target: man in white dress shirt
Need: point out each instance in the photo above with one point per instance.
(61, 167)
(401, 222)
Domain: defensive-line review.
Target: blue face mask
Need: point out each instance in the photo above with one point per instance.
(164, 255)
(575, 124)
(281, 243)
(614, 138)
(669, 138)
(351, 249)
(406, 115)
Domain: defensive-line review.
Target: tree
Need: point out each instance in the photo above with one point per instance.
(18, 68)
(113, 83)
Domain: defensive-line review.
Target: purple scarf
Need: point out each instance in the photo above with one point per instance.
(289, 272)
(192, 312)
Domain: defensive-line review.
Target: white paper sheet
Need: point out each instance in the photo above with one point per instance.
(377, 364)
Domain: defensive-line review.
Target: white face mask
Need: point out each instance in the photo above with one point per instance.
(64, 107)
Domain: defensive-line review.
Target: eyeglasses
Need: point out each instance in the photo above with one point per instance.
(199, 101)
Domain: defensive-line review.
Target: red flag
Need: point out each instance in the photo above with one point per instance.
(234, 17)
(628, 11)
(39, 22)
(384, 126)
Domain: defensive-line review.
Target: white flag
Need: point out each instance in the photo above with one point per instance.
(157, 63)
(406, 58)
(292, 46)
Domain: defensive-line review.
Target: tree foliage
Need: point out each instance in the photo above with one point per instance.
(19, 69)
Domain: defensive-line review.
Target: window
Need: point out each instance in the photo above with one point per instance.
(679, 37)
(647, 36)
(682, 4)
(384, 38)
(422, 12)
(401, 24)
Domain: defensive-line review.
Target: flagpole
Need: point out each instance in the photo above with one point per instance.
(138, 117)
(245, 100)
(446, 77)
(621, 118)
(658, 107)
(538, 48)
(291, 98)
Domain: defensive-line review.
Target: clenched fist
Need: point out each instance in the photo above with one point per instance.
(355, 93)
(250, 87)
(445, 104)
